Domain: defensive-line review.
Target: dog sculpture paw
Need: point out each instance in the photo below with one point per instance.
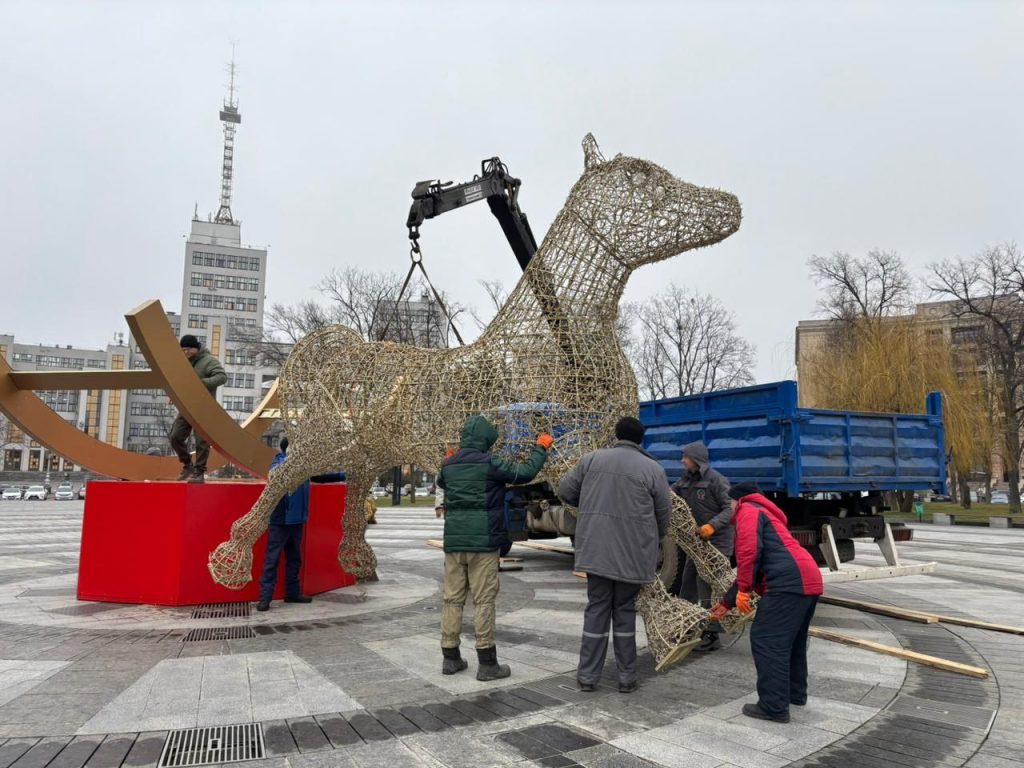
(231, 565)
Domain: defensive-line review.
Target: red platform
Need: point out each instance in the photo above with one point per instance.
(149, 542)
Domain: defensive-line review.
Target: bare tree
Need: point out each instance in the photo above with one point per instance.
(987, 291)
(688, 344)
(874, 285)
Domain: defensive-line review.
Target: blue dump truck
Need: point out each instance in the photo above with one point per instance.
(827, 470)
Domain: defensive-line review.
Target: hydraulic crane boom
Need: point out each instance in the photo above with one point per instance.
(494, 184)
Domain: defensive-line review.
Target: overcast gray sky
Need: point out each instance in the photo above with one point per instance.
(840, 126)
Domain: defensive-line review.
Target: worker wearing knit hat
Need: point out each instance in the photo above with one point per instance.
(211, 373)
(740, 490)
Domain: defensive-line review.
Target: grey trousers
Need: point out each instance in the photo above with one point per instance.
(610, 603)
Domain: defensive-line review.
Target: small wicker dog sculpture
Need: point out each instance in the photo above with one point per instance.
(368, 406)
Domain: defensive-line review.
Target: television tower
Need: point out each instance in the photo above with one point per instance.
(231, 117)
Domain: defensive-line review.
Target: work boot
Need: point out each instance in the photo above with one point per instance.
(197, 477)
(488, 667)
(708, 642)
(453, 661)
(186, 472)
(263, 605)
(299, 599)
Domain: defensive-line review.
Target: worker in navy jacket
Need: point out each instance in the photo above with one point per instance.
(770, 562)
(284, 534)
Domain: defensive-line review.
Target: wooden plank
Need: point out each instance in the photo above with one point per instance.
(546, 547)
(579, 574)
(883, 610)
(922, 616)
(899, 653)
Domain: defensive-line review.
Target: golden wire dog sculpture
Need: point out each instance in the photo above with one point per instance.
(368, 406)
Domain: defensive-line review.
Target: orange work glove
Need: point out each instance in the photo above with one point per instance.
(706, 531)
(743, 603)
(718, 612)
(545, 441)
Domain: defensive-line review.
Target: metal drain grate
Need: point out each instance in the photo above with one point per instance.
(218, 633)
(213, 744)
(222, 611)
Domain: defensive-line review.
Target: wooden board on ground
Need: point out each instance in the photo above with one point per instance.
(677, 654)
(883, 610)
(546, 547)
(579, 574)
(924, 617)
(899, 653)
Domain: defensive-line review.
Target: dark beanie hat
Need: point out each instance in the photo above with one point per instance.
(740, 490)
(629, 428)
(283, 445)
(188, 340)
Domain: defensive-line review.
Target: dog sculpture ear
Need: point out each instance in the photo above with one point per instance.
(592, 156)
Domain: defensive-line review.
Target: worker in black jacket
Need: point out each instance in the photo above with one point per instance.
(707, 494)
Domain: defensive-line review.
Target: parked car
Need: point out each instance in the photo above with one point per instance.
(378, 492)
(64, 492)
(941, 497)
(1000, 497)
(12, 494)
(422, 490)
(81, 491)
(36, 492)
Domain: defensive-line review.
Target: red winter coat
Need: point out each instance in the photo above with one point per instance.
(767, 555)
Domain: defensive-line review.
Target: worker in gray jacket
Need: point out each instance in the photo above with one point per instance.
(707, 494)
(624, 506)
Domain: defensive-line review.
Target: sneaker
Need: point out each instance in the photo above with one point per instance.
(585, 687)
(186, 472)
(197, 477)
(299, 599)
(263, 605)
(755, 711)
(627, 687)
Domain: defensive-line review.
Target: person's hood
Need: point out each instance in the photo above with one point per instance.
(478, 433)
(763, 502)
(699, 453)
(196, 358)
(278, 460)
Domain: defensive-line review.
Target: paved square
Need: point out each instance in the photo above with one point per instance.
(354, 678)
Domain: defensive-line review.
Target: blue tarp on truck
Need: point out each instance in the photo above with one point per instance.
(759, 434)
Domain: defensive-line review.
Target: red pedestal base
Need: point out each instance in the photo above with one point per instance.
(149, 542)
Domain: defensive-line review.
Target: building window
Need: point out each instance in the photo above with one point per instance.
(239, 357)
(94, 363)
(216, 301)
(63, 401)
(23, 357)
(235, 403)
(150, 409)
(225, 261)
(241, 380)
(54, 361)
(198, 321)
(147, 430)
(969, 335)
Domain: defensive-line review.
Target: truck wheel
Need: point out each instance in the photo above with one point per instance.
(670, 571)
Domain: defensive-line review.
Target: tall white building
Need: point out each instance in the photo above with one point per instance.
(222, 296)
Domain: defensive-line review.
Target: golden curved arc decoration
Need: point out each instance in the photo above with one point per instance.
(171, 371)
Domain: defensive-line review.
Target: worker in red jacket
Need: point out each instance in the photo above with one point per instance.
(770, 562)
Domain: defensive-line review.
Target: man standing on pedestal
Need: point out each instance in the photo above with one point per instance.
(211, 373)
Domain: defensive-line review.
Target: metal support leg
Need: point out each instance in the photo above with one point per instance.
(888, 546)
(828, 547)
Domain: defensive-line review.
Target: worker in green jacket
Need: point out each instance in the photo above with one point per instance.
(474, 529)
(211, 373)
